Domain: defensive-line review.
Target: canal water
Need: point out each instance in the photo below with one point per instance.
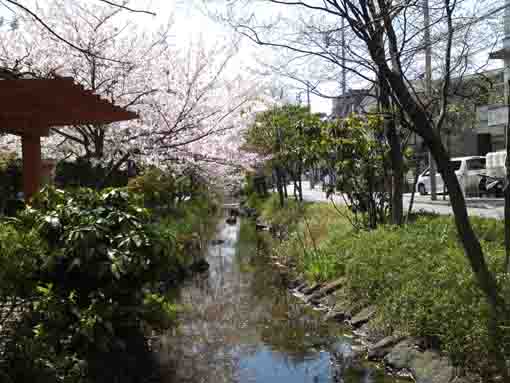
(240, 324)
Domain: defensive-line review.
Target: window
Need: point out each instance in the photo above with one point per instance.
(412, 139)
(455, 165)
(476, 164)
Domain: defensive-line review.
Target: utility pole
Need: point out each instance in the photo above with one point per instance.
(308, 97)
(506, 53)
(342, 36)
(428, 89)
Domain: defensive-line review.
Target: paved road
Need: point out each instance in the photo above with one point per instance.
(481, 208)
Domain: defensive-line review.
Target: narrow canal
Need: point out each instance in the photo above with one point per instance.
(240, 324)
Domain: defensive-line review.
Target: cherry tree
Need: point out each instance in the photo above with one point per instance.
(190, 100)
(199, 98)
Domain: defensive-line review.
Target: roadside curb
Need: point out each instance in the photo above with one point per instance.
(479, 203)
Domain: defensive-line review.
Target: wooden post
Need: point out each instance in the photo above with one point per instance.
(32, 166)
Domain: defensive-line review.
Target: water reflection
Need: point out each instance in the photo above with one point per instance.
(241, 325)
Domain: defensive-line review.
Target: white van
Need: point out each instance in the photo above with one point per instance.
(496, 164)
(468, 170)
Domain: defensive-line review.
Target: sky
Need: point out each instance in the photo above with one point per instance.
(191, 23)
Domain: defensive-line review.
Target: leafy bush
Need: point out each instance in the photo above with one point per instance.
(21, 253)
(89, 266)
(83, 173)
(167, 189)
(10, 178)
(157, 187)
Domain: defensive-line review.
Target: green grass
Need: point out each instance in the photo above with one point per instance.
(192, 219)
(417, 275)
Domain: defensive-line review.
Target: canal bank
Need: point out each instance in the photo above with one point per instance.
(241, 324)
(408, 290)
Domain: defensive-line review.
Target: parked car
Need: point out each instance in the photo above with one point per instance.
(468, 170)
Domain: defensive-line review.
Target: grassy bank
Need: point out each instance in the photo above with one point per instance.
(417, 275)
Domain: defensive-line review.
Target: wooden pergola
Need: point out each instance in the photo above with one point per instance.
(29, 107)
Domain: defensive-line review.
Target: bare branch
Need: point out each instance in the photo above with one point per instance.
(448, 62)
(123, 6)
(57, 35)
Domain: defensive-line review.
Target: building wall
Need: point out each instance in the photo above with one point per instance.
(462, 144)
(491, 120)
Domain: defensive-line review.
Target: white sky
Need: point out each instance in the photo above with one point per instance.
(191, 24)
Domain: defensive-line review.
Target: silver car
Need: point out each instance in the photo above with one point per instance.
(467, 169)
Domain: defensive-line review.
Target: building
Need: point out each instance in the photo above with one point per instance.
(475, 125)
(356, 101)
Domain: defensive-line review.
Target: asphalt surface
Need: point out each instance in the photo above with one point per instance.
(488, 208)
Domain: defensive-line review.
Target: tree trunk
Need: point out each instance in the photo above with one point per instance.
(279, 186)
(300, 181)
(507, 208)
(98, 141)
(507, 194)
(113, 168)
(467, 236)
(397, 165)
(413, 192)
(472, 248)
(396, 157)
(498, 312)
(372, 205)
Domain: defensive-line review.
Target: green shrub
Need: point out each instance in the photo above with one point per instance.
(170, 191)
(83, 173)
(89, 265)
(158, 188)
(10, 180)
(21, 254)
